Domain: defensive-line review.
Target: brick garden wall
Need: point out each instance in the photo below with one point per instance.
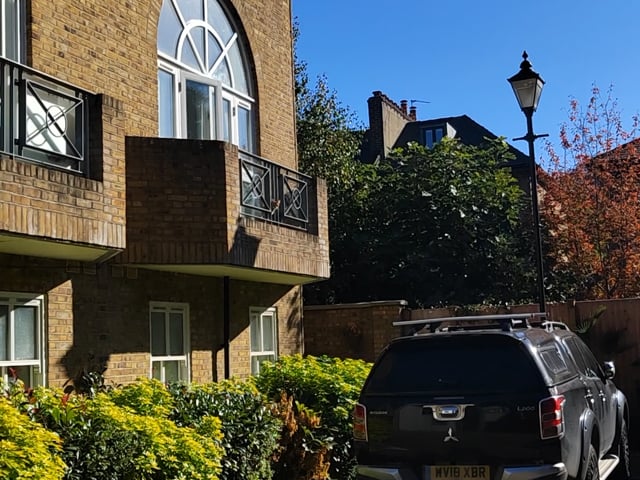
(355, 330)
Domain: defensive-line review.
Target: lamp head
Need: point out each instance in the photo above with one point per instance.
(527, 85)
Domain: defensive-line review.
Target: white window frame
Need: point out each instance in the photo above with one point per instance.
(16, 19)
(184, 360)
(215, 103)
(36, 366)
(260, 314)
(182, 72)
(175, 94)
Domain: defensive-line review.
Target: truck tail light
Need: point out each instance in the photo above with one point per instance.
(360, 422)
(552, 417)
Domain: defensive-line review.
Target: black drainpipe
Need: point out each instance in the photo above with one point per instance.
(227, 328)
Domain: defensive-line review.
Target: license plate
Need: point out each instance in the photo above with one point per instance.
(457, 472)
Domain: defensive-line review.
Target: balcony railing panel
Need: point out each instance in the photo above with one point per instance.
(43, 119)
(273, 193)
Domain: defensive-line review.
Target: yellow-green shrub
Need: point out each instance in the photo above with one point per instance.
(145, 397)
(27, 450)
(106, 441)
(171, 452)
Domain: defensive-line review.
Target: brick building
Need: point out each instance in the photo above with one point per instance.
(393, 126)
(152, 219)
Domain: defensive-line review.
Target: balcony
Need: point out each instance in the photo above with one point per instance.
(53, 204)
(43, 119)
(205, 208)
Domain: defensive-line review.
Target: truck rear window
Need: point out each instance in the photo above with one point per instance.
(455, 365)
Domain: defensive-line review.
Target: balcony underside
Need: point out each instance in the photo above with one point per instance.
(46, 248)
(235, 273)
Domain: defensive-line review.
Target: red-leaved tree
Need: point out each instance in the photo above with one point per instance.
(591, 204)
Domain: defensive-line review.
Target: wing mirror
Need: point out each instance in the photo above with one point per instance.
(609, 370)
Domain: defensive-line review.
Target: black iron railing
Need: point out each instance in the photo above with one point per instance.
(43, 119)
(273, 193)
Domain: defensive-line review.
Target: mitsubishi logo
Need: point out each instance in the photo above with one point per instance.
(450, 437)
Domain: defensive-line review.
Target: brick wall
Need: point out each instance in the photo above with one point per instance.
(44, 203)
(353, 330)
(110, 48)
(99, 316)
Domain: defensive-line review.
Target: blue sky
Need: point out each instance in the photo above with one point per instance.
(458, 55)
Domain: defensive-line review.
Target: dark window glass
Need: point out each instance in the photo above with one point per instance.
(585, 361)
(553, 361)
(455, 365)
(433, 136)
(593, 367)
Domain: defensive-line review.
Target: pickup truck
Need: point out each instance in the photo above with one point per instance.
(498, 397)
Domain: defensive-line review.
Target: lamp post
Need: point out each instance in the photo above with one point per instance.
(527, 86)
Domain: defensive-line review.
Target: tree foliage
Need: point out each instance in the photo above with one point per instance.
(444, 227)
(591, 204)
(329, 140)
(327, 133)
(435, 226)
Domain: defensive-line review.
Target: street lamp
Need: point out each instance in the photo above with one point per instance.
(527, 86)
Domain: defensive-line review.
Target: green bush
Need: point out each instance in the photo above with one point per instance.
(105, 440)
(250, 428)
(27, 450)
(328, 386)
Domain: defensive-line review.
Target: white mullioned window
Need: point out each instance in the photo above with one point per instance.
(169, 329)
(264, 336)
(22, 338)
(204, 90)
(12, 29)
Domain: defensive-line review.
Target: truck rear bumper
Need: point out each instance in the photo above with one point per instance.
(533, 472)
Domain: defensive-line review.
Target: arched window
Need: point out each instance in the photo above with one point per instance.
(204, 90)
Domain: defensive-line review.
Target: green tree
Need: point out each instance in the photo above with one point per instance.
(436, 226)
(448, 227)
(329, 140)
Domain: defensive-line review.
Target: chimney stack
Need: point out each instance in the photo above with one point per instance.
(403, 106)
(413, 113)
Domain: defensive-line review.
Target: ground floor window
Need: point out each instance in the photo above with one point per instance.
(169, 325)
(22, 338)
(264, 337)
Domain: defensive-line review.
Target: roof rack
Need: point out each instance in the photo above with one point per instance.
(549, 326)
(506, 322)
